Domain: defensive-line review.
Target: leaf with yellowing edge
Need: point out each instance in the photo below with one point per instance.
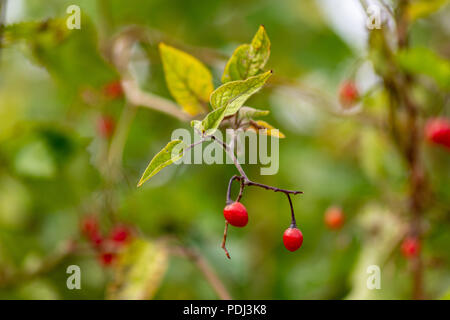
(265, 128)
(233, 94)
(188, 80)
(248, 59)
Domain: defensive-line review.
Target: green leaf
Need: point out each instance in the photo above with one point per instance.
(35, 160)
(172, 152)
(211, 122)
(248, 59)
(139, 270)
(423, 8)
(421, 60)
(233, 95)
(249, 112)
(51, 44)
(188, 80)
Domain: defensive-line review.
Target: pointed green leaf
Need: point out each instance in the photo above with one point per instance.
(211, 122)
(188, 80)
(138, 271)
(233, 95)
(249, 112)
(172, 152)
(248, 59)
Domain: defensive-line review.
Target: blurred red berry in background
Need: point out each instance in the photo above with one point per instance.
(89, 225)
(437, 130)
(410, 247)
(113, 90)
(334, 218)
(120, 234)
(107, 258)
(96, 239)
(348, 94)
(105, 126)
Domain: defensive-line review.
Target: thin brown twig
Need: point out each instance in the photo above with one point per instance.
(121, 56)
(224, 241)
(204, 267)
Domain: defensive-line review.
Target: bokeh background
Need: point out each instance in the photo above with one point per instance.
(54, 166)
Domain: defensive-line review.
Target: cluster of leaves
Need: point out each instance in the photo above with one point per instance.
(190, 83)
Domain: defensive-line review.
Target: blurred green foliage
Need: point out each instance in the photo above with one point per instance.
(53, 168)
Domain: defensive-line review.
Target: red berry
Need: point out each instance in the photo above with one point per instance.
(96, 239)
(89, 225)
(334, 218)
(410, 247)
(105, 126)
(437, 131)
(113, 90)
(107, 258)
(292, 238)
(120, 234)
(236, 214)
(348, 94)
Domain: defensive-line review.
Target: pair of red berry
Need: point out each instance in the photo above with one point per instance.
(106, 247)
(106, 124)
(236, 215)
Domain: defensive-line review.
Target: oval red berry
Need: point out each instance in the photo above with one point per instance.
(292, 239)
(236, 214)
(113, 90)
(120, 234)
(437, 131)
(410, 247)
(334, 218)
(348, 94)
(105, 126)
(107, 258)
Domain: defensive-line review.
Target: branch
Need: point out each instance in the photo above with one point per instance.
(230, 152)
(121, 55)
(205, 269)
(47, 265)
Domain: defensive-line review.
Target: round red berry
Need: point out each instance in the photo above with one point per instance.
(113, 90)
(292, 238)
(348, 94)
(120, 234)
(236, 214)
(334, 218)
(410, 247)
(105, 126)
(96, 239)
(107, 258)
(437, 131)
(89, 225)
